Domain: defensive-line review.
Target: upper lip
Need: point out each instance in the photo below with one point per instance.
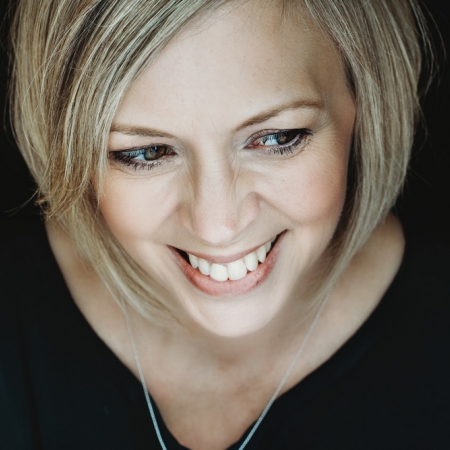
(218, 259)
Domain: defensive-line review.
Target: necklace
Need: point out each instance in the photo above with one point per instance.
(272, 399)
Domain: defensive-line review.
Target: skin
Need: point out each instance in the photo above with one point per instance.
(217, 196)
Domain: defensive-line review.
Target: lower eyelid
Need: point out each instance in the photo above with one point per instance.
(300, 140)
(127, 157)
(302, 134)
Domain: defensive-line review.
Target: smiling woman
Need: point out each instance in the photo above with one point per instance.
(216, 180)
(254, 153)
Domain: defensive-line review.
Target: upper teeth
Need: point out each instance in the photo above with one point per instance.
(234, 270)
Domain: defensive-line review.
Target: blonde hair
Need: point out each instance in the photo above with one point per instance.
(73, 60)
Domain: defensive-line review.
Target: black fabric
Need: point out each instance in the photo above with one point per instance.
(61, 387)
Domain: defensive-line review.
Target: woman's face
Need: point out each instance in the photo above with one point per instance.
(236, 135)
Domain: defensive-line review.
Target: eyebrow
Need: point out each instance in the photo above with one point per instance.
(273, 112)
(259, 118)
(139, 131)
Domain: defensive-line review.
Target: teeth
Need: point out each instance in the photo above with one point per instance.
(251, 261)
(204, 266)
(218, 272)
(261, 253)
(235, 270)
(194, 261)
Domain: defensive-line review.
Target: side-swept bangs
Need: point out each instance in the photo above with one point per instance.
(73, 60)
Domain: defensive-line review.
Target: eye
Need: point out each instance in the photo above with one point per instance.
(281, 141)
(280, 138)
(153, 153)
(145, 157)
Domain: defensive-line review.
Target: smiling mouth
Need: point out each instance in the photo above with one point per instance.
(235, 270)
(232, 278)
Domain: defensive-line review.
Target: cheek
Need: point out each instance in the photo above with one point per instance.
(134, 208)
(310, 189)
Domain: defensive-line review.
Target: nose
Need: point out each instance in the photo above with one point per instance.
(219, 204)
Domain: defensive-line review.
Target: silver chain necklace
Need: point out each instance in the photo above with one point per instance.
(272, 399)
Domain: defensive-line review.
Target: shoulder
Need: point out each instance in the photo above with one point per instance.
(424, 285)
(27, 268)
(30, 280)
(418, 341)
(21, 244)
(425, 271)
(24, 253)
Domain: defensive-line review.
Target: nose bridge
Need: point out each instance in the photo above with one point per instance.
(220, 206)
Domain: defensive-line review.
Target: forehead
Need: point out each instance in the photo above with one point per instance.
(239, 57)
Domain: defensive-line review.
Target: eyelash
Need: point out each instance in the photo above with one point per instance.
(127, 157)
(301, 134)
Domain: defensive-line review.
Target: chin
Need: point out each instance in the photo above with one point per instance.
(233, 317)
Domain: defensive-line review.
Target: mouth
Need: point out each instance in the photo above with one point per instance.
(232, 277)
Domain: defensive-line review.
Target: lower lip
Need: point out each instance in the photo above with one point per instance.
(223, 288)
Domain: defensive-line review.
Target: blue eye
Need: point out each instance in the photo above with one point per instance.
(278, 142)
(145, 157)
(153, 153)
(279, 138)
(282, 141)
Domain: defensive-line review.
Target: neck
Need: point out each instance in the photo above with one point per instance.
(182, 342)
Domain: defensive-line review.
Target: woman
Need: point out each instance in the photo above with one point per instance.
(216, 179)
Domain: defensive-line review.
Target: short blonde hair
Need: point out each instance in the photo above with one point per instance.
(73, 60)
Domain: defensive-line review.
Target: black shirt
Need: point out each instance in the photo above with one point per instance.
(61, 387)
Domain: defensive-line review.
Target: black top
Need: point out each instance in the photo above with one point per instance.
(61, 387)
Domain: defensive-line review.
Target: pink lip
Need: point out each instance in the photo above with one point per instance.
(239, 287)
(224, 259)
